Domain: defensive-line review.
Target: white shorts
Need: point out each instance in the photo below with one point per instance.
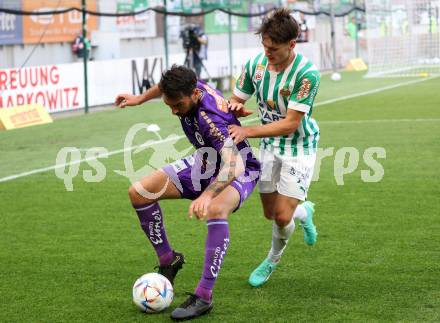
(290, 176)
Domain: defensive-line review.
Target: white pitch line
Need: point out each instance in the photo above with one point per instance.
(356, 95)
(381, 89)
(113, 152)
(342, 98)
(377, 121)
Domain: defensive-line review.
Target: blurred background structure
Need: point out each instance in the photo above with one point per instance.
(41, 41)
(403, 37)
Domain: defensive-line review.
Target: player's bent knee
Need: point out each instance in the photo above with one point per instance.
(136, 198)
(217, 211)
(282, 220)
(132, 194)
(269, 214)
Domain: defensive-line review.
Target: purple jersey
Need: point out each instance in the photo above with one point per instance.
(207, 129)
(208, 126)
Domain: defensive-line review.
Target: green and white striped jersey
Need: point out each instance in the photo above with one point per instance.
(293, 88)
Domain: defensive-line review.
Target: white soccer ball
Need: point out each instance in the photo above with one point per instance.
(152, 293)
(336, 76)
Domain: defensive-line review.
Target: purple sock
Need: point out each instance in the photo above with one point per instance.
(217, 242)
(151, 220)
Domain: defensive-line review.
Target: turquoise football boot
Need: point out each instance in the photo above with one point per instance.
(310, 233)
(260, 275)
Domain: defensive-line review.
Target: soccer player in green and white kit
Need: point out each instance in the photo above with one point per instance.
(285, 84)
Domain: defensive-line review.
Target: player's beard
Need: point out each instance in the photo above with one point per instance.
(191, 110)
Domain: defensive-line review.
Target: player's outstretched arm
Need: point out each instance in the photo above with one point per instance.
(233, 166)
(123, 100)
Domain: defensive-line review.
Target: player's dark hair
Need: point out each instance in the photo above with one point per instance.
(178, 81)
(279, 26)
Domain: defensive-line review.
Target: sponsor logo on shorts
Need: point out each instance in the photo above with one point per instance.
(301, 176)
(178, 166)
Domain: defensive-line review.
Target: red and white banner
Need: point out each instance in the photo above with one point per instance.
(56, 87)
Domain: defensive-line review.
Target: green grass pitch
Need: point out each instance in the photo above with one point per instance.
(73, 256)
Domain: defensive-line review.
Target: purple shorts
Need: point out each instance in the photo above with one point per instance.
(191, 186)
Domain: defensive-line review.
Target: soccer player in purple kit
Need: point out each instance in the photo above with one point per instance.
(218, 177)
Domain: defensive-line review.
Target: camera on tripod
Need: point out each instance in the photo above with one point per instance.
(189, 36)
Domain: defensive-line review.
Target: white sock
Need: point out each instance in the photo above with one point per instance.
(300, 213)
(280, 237)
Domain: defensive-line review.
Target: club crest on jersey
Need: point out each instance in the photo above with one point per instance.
(285, 92)
(304, 90)
(259, 72)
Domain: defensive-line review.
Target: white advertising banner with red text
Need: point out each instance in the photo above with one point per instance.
(61, 87)
(56, 87)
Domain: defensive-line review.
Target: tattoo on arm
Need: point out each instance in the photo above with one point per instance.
(216, 187)
(226, 174)
(219, 185)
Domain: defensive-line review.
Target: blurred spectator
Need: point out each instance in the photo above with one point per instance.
(350, 28)
(80, 46)
(195, 42)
